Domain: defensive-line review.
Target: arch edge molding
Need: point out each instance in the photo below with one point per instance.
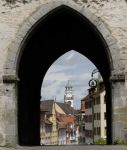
(15, 50)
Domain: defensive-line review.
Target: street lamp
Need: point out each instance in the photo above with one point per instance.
(94, 71)
(93, 85)
(93, 82)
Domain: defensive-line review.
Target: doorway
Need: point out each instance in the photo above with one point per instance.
(56, 33)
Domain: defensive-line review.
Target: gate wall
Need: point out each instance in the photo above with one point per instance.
(16, 23)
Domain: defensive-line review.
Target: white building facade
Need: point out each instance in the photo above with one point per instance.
(95, 116)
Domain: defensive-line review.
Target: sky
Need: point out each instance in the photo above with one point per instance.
(71, 66)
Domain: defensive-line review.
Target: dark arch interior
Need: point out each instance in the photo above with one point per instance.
(60, 31)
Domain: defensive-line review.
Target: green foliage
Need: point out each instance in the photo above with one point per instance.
(119, 141)
(101, 141)
(7, 145)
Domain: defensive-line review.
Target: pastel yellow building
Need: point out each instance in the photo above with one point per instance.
(51, 134)
(95, 115)
(53, 129)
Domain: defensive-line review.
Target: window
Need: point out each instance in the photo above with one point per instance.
(105, 131)
(94, 116)
(90, 118)
(88, 133)
(83, 128)
(104, 115)
(98, 100)
(86, 118)
(86, 105)
(95, 133)
(90, 104)
(105, 99)
(83, 139)
(98, 131)
(98, 115)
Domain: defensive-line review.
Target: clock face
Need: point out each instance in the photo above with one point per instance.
(69, 102)
(69, 95)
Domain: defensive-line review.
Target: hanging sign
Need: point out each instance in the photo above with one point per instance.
(92, 83)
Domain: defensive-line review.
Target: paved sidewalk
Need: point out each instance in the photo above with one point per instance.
(76, 147)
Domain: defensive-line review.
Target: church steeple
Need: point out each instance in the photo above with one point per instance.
(68, 97)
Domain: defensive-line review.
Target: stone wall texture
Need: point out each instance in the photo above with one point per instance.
(16, 18)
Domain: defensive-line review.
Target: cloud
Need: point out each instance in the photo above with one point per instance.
(71, 66)
(58, 68)
(70, 56)
(57, 76)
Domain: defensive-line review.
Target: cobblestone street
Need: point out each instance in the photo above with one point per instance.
(69, 148)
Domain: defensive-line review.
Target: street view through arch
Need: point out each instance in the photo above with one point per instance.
(71, 110)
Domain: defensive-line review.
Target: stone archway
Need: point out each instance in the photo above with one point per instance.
(17, 49)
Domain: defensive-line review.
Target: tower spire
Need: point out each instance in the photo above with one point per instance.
(68, 97)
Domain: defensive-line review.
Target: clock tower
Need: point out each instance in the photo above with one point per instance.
(68, 96)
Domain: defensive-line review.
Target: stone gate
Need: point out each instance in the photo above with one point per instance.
(106, 20)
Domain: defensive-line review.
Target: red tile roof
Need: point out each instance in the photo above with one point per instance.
(66, 119)
(82, 109)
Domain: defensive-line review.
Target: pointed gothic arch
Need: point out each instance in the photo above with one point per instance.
(52, 30)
